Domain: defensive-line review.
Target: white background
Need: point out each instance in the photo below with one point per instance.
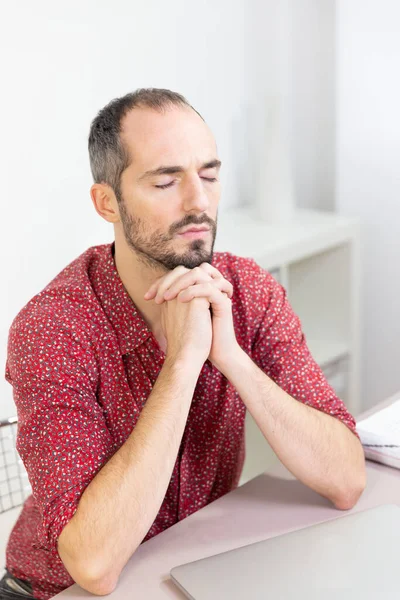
(368, 177)
(62, 61)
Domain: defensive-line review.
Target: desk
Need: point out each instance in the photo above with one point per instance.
(271, 504)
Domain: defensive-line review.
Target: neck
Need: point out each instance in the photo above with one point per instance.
(137, 277)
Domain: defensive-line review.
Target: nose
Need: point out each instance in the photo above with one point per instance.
(195, 196)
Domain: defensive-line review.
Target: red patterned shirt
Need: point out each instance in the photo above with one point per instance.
(82, 363)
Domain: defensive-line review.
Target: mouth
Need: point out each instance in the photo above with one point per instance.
(194, 233)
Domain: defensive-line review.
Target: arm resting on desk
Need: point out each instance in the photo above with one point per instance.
(120, 504)
(317, 448)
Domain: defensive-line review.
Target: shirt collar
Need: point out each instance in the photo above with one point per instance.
(129, 325)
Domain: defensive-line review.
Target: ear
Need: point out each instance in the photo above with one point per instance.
(105, 202)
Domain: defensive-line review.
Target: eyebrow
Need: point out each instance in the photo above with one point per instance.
(212, 164)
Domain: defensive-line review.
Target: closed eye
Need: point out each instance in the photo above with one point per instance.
(167, 185)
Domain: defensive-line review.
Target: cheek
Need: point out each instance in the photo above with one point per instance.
(215, 196)
(160, 222)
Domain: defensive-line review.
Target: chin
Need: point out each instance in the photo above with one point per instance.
(190, 259)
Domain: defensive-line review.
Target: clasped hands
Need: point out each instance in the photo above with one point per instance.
(204, 281)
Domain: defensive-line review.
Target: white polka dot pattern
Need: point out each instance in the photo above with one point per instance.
(82, 363)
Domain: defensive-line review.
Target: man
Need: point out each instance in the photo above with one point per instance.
(133, 368)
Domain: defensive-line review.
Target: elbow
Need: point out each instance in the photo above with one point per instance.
(346, 502)
(99, 584)
(93, 573)
(92, 576)
(98, 587)
(350, 494)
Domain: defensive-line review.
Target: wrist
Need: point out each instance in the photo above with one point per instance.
(184, 364)
(232, 362)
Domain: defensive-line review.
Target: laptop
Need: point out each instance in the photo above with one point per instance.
(351, 557)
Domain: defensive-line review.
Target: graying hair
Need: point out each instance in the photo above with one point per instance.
(108, 155)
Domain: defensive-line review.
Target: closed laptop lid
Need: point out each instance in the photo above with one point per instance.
(351, 557)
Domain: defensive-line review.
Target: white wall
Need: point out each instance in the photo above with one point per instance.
(313, 102)
(62, 61)
(292, 52)
(368, 178)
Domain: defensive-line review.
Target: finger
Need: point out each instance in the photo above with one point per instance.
(168, 281)
(221, 284)
(216, 275)
(205, 290)
(163, 281)
(192, 277)
(152, 291)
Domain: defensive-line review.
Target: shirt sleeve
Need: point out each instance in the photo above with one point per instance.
(281, 351)
(62, 435)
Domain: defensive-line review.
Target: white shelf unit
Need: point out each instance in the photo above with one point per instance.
(316, 257)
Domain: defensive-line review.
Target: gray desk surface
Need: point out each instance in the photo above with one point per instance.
(271, 504)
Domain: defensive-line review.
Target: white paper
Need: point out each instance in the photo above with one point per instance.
(380, 435)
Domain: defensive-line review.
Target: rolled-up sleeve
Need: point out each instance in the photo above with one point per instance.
(281, 351)
(62, 436)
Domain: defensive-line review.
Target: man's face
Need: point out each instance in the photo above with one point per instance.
(171, 186)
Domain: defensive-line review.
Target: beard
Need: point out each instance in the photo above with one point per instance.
(154, 248)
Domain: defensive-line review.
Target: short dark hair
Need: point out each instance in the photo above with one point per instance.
(108, 155)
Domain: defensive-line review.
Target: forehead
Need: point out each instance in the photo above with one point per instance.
(176, 136)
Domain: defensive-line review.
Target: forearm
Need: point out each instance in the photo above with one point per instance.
(316, 448)
(120, 504)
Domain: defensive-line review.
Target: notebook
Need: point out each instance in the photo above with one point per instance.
(380, 435)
